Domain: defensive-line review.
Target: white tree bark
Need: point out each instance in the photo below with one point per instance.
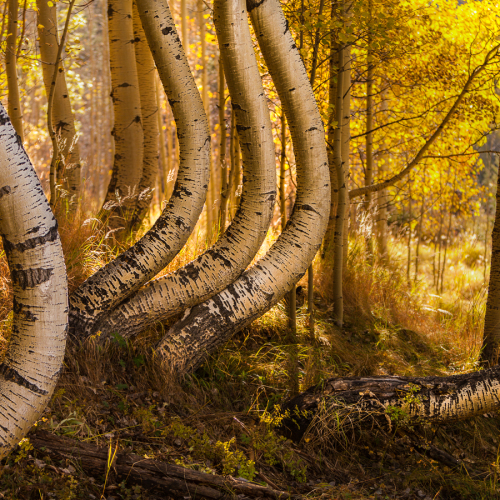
(208, 325)
(146, 73)
(31, 242)
(127, 130)
(14, 103)
(227, 259)
(62, 115)
(408, 400)
(125, 275)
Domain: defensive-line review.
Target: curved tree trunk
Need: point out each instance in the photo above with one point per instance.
(121, 196)
(227, 259)
(14, 104)
(127, 273)
(207, 326)
(391, 400)
(63, 120)
(31, 242)
(146, 73)
(491, 335)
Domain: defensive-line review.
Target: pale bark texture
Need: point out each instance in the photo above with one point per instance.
(222, 147)
(63, 120)
(338, 238)
(491, 334)
(283, 172)
(14, 104)
(234, 175)
(392, 401)
(128, 128)
(332, 124)
(146, 73)
(207, 326)
(346, 142)
(126, 274)
(29, 372)
(227, 259)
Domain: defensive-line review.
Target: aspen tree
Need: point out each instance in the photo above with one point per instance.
(63, 120)
(128, 128)
(369, 166)
(225, 172)
(283, 172)
(184, 27)
(422, 399)
(224, 262)
(29, 371)
(235, 178)
(129, 271)
(346, 130)
(4, 18)
(491, 333)
(207, 326)
(369, 112)
(382, 199)
(334, 77)
(212, 187)
(146, 74)
(56, 154)
(165, 158)
(14, 103)
(310, 271)
(338, 241)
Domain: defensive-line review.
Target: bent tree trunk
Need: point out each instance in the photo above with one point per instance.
(29, 371)
(207, 326)
(127, 130)
(358, 401)
(63, 120)
(227, 259)
(128, 272)
(491, 335)
(146, 73)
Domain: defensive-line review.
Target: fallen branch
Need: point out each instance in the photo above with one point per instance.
(176, 481)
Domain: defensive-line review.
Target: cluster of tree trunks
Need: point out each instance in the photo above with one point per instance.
(222, 296)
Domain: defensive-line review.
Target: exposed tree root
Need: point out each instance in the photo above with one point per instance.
(168, 479)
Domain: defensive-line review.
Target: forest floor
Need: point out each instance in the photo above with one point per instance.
(223, 419)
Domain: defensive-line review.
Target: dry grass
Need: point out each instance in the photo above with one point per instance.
(121, 389)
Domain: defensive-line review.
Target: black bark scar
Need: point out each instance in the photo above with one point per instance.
(5, 190)
(11, 374)
(51, 235)
(29, 278)
(253, 4)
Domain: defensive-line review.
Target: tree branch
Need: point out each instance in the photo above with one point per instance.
(385, 184)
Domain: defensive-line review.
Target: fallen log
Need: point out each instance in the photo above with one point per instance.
(167, 479)
(398, 401)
